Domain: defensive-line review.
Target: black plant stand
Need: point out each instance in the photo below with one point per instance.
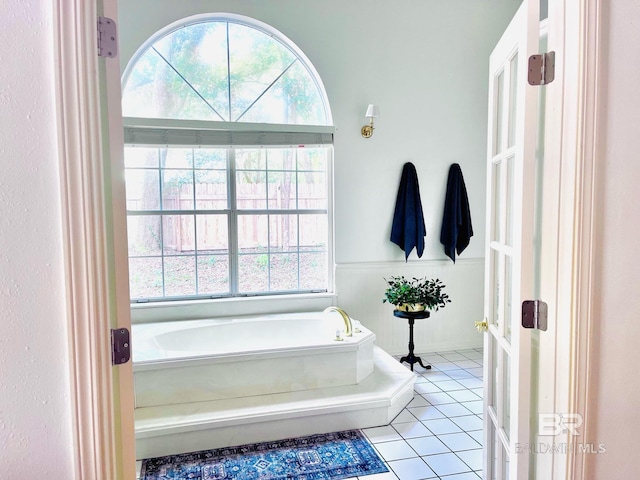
(411, 316)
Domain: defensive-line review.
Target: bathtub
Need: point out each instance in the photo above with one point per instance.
(216, 359)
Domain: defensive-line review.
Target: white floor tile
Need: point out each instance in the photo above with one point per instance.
(478, 391)
(428, 387)
(478, 435)
(464, 395)
(411, 469)
(467, 364)
(468, 423)
(471, 382)
(438, 398)
(444, 366)
(412, 430)
(473, 458)
(382, 476)
(473, 355)
(449, 385)
(382, 434)
(397, 450)
(446, 464)
(452, 357)
(459, 441)
(453, 410)
(441, 426)
(477, 372)
(428, 445)
(459, 373)
(435, 375)
(462, 476)
(418, 401)
(431, 357)
(404, 416)
(476, 406)
(427, 413)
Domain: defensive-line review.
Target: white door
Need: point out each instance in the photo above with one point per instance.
(509, 247)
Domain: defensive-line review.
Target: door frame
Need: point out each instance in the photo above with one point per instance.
(102, 408)
(577, 34)
(94, 257)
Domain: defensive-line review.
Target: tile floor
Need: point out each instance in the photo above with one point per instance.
(439, 434)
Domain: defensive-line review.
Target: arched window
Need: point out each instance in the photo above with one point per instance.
(224, 69)
(228, 145)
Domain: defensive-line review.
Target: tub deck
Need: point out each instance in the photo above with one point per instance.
(217, 359)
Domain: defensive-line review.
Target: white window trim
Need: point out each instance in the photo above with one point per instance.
(199, 133)
(232, 126)
(178, 310)
(230, 307)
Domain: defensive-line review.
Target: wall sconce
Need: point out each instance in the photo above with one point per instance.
(372, 111)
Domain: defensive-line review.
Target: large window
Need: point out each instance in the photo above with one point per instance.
(227, 159)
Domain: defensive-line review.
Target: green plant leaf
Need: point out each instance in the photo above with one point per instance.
(428, 292)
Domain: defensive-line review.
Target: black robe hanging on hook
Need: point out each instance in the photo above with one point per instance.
(456, 220)
(408, 229)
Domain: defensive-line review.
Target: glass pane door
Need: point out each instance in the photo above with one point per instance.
(509, 260)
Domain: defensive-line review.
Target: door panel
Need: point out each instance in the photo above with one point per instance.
(113, 144)
(509, 248)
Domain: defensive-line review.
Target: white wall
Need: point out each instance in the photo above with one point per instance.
(425, 63)
(35, 421)
(614, 389)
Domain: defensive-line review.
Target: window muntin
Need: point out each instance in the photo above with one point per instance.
(181, 206)
(224, 70)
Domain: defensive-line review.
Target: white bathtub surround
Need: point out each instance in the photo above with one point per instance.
(194, 361)
(206, 384)
(189, 427)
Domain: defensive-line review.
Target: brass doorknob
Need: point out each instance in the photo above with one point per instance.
(482, 326)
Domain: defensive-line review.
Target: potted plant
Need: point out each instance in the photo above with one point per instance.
(416, 294)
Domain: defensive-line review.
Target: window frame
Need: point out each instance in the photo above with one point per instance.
(243, 134)
(163, 128)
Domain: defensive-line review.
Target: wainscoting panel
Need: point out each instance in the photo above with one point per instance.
(361, 286)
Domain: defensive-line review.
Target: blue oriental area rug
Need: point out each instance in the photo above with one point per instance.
(330, 456)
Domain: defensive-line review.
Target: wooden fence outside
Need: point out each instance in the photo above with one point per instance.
(280, 233)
